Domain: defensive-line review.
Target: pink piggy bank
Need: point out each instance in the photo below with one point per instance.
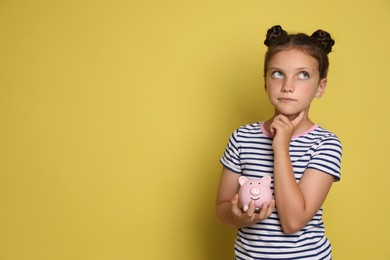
(257, 190)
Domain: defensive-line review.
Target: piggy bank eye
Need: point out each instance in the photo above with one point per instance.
(250, 183)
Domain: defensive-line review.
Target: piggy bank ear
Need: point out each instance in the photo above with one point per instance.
(266, 180)
(242, 180)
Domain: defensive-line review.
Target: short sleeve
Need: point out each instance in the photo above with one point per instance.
(327, 157)
(231, 157)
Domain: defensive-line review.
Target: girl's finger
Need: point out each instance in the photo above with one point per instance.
(263, 211)
(299, 118)
(251, 209)
(275, 125)
(271, 208)
(234, 201)
(234, 207)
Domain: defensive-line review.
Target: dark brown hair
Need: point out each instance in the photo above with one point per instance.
(318, 45)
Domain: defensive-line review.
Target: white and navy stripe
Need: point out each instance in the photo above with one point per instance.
(249, 152)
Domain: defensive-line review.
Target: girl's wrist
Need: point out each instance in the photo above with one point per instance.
(282, 151)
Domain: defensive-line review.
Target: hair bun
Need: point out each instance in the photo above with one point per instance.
(324, 39)
(273, 34)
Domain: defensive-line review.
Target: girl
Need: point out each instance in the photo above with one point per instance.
(302, 158)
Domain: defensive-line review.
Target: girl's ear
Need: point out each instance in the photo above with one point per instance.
(321, 88)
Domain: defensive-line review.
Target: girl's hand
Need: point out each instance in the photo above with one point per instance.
(283, 129)
(227, 207)
(244, 219)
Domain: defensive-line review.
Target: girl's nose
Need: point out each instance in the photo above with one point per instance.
(288, 86)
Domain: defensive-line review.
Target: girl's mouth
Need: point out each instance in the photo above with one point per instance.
(285, 100)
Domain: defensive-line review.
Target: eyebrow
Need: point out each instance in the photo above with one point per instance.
(305, 68)
(300, 68)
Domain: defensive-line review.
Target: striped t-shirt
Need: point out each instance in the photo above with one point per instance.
(249, 152)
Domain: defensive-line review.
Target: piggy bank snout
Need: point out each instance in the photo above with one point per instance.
(255, 191)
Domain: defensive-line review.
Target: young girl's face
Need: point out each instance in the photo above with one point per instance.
(292, 81)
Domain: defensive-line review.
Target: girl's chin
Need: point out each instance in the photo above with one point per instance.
(288, 114)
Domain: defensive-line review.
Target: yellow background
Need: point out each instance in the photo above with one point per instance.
(114, 115)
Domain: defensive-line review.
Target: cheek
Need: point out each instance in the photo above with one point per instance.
(272, 87)
(309, 90)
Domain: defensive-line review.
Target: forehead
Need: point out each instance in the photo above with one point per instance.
(293, 58)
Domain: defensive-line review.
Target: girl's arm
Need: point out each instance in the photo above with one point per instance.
(227, 208)
(297, 203)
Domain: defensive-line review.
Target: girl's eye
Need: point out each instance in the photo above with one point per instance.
(303, 75)
(277, 75)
